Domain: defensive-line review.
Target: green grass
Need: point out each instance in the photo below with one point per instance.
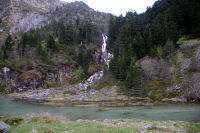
(72, 127)
(52, 125)
(193, 127)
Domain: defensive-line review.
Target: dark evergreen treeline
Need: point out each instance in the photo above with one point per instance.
(58, 42)
(154, 32)
(66, 34)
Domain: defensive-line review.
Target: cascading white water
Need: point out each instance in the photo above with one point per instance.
(105, 55)
(98, 75)
(103, 47)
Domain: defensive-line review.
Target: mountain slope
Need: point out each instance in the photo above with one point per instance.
(51, 43)
(24, 15)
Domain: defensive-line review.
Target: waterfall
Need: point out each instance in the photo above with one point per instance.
(106, 56)
(103, 47)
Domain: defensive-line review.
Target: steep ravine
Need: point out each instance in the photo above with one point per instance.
(106, 57)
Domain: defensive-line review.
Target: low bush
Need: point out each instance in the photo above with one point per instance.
(156, 94)
(13, 120)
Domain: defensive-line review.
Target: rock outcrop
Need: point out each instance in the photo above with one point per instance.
(4, 128)
(33, 131)
(178, 75)
(32, 78)
(23, 15)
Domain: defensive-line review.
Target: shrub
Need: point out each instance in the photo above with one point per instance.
(156, 51)
(45, 119)
(13, 120)
(77, 75)
(2, 89)
(168, 49)
(176, 59)
(181, 40)
(156, 94)
(173, 94)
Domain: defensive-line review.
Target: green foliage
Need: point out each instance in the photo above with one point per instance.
(1, 54)
(2, 89)
(172, 94)
(176, 59)
(156, 94)
(51, 44)
(13, 120)
(77, 75)
(193, 127)
(79, 72)
(41, 51)
(181, 40)
(153, 33)
(81, 33)
(106, 81)
(8, 46)
(157, 51)
(84, 58)
(91, 69)
(168, 49)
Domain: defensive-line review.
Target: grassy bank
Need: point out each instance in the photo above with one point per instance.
(46, 124)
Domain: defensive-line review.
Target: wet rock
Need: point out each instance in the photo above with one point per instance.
(176, 100)
(33, 131)
(150, 126)
(91, 80)
(106, 120)
(4, 128)
(185, 64)
(146, 127)
(80, 120)
(37, 94)
(120, 123)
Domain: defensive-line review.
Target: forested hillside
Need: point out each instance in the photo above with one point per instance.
(49, 45)
(158, 32)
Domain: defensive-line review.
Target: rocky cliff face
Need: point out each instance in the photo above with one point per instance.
(23, 15)
(33, 78)
(175, 76)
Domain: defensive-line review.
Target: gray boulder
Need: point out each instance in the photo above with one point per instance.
(33, 131)
(4, 128)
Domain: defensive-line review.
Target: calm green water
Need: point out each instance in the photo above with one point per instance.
(183, 112)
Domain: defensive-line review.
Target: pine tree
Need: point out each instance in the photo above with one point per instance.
(8, 46)
(51, 44)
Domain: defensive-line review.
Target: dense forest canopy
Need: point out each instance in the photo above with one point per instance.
(58, 42)
(154, 32)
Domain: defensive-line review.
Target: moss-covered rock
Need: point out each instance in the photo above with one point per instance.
(12, 120)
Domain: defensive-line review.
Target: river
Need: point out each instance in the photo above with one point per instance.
(174, 112)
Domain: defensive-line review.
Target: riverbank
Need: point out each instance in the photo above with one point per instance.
(104, 97)
(48, 124)
(63, 97)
